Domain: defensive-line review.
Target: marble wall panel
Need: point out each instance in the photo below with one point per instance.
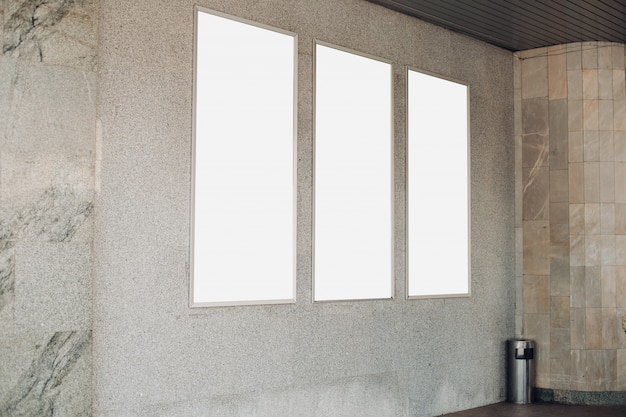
(535, 116)
(574, 57)
(590, 84)
(605, 115)
(47, 375)
(620, 286)
(589, 55)
(607, 219)
(607, 146)
(560, 277)
(619, 140)
(619, 115)
(47, 132)
(54, 287)
(578, 328)
(605, 84)
(536, 193)
(559, 150)
(557, 72)
(575, 146)
(592, 182)
(560, 317)
(621, 370)
(576, 183)
(593, 287)
(593, 328)
(55, 32)
(536, 248)
(534, 77)
(591, 145)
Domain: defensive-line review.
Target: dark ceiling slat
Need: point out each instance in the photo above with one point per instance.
(542, 22)
(591, 23)
(480, 22)
(541, 27)
(609, 17)
(523, 24)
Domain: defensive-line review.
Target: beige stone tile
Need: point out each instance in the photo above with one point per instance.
(559, 344)
(591, 145)
(601, 369)
(557, 76)
(589, 55)
(619, 115)
(605, 60)
(537, 328)
(621, 335)
(577, 328)
(578, 366)
(575, 115)
(590, 84)
(559, 186)
(593, 287)
(590, 114)
(558, 133)
(605, 84)
(611, 328)
(577, 250)
(535, 116)
(560, 278)
(577, 219)
(620, 286)
(560, 372)
(559, 213)
(592, 219)
(620, 219)
(536, 294)
(519, 252)
(609, 279)
(559, 240)
(577, 183)
(619, 140)
(592, 182)
(536, 247)
(574, 85)
(605, 115)
(621, 370)
(607, 182)
(577, 287)
(574, 56)
(617, 56)
(607, 146)
(535, 77)
(536, 197)
(607, 249)
(619, 87)
(576, 146)
(620, 249)
(559, 314)
(535, 150)
(593, 328)
(607, 219)
(620, 182)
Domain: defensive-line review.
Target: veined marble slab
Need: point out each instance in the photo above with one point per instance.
(58, 32)
(64, 360)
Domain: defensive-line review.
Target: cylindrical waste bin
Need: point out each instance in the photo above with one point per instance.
(521, 371)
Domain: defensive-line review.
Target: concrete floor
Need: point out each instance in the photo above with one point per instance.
(542, 410)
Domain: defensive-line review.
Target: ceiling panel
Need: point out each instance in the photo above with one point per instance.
(523, 24)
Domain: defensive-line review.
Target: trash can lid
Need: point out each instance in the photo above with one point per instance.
(522, 344)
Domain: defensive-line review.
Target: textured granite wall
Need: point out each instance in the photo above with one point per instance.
(47, 120)
(571, 206)
(153, 356)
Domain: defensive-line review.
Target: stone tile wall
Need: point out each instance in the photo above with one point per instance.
(571, 213)
(47, 135)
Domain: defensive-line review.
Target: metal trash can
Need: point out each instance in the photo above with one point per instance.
(521, 371)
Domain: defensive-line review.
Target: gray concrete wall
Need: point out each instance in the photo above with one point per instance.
(153, 356)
